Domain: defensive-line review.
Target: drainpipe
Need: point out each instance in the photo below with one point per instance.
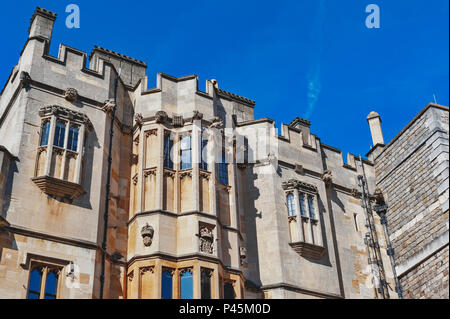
(373, 240)
(381, 210)
(108, 186)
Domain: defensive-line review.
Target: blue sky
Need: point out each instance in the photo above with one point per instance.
(313, 59)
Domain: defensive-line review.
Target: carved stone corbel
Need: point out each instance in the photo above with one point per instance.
(71, 95)
(139, 119)
(108, 106)
(327, 177)
(147, 234)
(161, 117)
(299, 169)
(197, 115)
(25, 79)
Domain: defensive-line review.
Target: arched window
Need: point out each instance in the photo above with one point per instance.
(291, 205)
(45, 132)
(301, 200)
(34, 286)
(60, 133)
(51, 285)
(166, 285)
(72, 143)
(186, 284)
(43, 282)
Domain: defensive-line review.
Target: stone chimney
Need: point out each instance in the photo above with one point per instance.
(375, 128)
(41, 24)
(211, 85)
(374, 121)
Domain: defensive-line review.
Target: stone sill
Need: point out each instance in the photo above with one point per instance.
(57, 187)
(308, 250)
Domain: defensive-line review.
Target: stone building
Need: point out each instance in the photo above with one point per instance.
(412, 173)
(109, 189)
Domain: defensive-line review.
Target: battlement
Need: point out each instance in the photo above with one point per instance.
(132, 70)
(117, 55)
(233, 96)
(298, 122)
(43, 13)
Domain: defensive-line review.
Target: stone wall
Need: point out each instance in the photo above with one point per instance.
(429, 279)
(412, 172)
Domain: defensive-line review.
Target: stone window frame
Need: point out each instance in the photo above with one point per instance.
(181, 271)
(47, 264)
(172, 272)
(57, 114)
(296, 188)
(292, 210)
(310, 244)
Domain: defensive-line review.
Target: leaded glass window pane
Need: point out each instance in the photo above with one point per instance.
(206, 285)
(301, 199)
(72, 143)
(223, 170)
(51, 285)
(204, 154)
(186, 152)
(34, 287)
(312, 213)
(166, 285)
(168, 145)
(60, 132)
(291, 205)
(45, 132)
(186, 285)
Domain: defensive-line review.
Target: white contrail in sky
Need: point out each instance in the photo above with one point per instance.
(313, 75)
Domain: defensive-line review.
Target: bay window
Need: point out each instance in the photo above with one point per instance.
(304, 230)
(60, 152)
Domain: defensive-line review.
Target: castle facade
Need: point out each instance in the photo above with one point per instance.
(109, 189)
